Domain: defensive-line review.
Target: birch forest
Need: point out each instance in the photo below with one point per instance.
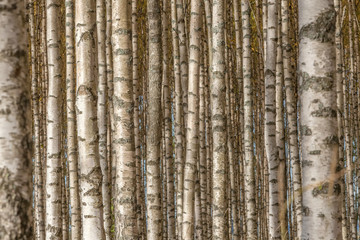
(179, 119)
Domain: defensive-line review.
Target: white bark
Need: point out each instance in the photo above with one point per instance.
(53, 223)
(321, 186)
(88, 142)
(15, 162)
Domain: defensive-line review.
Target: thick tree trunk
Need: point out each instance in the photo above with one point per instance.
(321, 186)
(15, 164)
(88, 143)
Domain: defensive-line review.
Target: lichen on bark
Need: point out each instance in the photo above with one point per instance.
(322, 29)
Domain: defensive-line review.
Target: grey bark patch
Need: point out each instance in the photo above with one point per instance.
(324, 112)
(315, 152)
(307, 163)
(316, 83)
(322, 29)
(305, 130)
(331, 140)
(321, 190)
(14, 218)
(324, 189)
(306, 211)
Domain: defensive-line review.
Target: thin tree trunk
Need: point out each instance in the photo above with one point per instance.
(218, 121)
(102, 113)
(169, 159)
(251, 216)
(183, 50)
(53, 222)
(71, 123)
(39, 231)
(209, 155)
(179, 161)
(280, 133)
(192, 123)
(137, 137)
(340, 105)
(321, 185)
(349, 127)
(153, 180)
(291, 112)
(202, 153)
(270, 129)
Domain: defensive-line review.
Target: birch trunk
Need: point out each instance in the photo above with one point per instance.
(137, 137)
(153, 174)
(192, 145)
(179, 153)
(218, 121)
(202, 153)
(71, 123)
(15, 164)
(321, 186)
(88, 143)
(39, 220)
(102, 113)
(53, 223)
(280, 134)
(291, 112)
(270, 115)
(249, 177)
(168, 148)
(123, 140)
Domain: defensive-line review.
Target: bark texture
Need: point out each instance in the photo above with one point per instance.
(71, 123)
(15, 163)
(123, 140)
(90, 176)
(318, 123)
(218, 121)
(53, 223)
(153, 174)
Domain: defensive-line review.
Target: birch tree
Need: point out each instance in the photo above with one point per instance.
(321, 186)
(15, 163)
(102, 113)
(190, 168)
(123, 141)
(178, 118)
(90, 176)
(270, 112)
(249, 164)
(291, 111)
(71, 123)
(153, 183)
(218, 122)
(53, 223)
